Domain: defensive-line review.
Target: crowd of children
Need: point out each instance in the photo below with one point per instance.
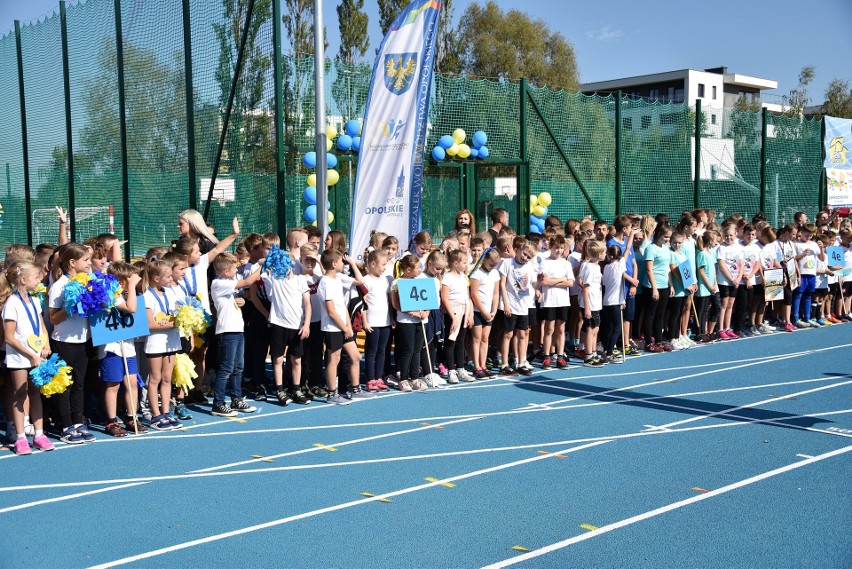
(584, 290)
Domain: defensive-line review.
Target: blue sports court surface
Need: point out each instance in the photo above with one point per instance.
(735, 454)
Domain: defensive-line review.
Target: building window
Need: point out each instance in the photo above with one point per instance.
(669, 118)
(714, 92)
(678, 96)
(712, 119)
(701, 90)
(646, 122)
(671, 94)
(627, 123)
(654, 94)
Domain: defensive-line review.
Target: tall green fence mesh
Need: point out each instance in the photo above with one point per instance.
(656, 142)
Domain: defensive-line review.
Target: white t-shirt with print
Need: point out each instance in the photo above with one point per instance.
(554, 296)
(23, 316)
(590, 274)
(74, 329)
(286, 298)
(519, 281)
(161, 341)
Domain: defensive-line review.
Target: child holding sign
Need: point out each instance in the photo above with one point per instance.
(26, 345)
(409, 335)
(113, 354)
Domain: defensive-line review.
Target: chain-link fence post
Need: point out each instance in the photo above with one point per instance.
(122, 127)
(69, 137)
(696, 184)
(24, 143)
(190, 108)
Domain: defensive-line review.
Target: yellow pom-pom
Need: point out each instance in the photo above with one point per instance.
(190, 320)
(82, 278)
(59, 383)
(183, 372)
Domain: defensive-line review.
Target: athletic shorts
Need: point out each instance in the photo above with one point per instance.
(532, 317)
(112, 368)
(479, 321)
(334, 341)
(515, 322)
(161, 354)
(593, 322)
(281, 338)
(551, 313)
(834, 289)
(727, 291)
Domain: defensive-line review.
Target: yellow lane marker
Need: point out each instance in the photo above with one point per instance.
(556, 455)
(261, 456)
(234, 419)
(702, 490)
(369, 495)
(589, 527)
(445, 484)
(257, 456)
(433, 426)
(519, 548)
(324, 447)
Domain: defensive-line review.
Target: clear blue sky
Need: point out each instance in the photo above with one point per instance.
(621, 38)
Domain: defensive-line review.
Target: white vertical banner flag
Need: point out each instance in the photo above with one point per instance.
(389, 179)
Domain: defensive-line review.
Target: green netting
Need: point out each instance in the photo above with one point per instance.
(793, 166)
(11, 159)
(657, 146)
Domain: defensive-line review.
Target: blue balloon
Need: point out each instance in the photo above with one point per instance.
(352, 128)
(311, 213)
(356, 143)
(310, 160)
(474, 153)
(311, 195)
(479, 139)
(438, 153)
(332, 160)
(446, 141)
(344, 142)
(483, 152)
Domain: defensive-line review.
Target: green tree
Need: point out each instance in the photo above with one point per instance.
(352, 22)
(299, 25)
(349, 90)
(449, 57)
(838, 99)
(798, 98)
(513, 45)
(249, 142)
(388, 11)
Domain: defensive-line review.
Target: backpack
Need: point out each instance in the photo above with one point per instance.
(356, 307)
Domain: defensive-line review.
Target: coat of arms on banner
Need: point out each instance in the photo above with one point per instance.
(399, 71)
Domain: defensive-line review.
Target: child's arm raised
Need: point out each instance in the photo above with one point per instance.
(63, 225)
(130, 300)
(223, 245)
(249, 280)
(358, 278)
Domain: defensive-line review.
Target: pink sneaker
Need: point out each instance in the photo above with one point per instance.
(43, 443)
(22, 446)
(789, 327)
(381, 385)
(371, 385)
(724, 334)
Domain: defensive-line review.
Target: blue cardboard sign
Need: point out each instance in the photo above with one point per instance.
(834, 256)
(117, 325)
(418, 294)
(686, 274)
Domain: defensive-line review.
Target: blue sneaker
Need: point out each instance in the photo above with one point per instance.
(83, 431)
(181, 412)
(70, 436)
(335, 398)
(172, 421)
(161, 423)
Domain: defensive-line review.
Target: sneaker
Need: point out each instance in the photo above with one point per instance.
(788, 327)
(172, 421)
(480, 374)
(319, 392)
(132, 424)
(260, 393)
(334, 398)
(181, 412)
(22, 446)
(801, 324)
(299, 398)
(371, 385)
(161, 423)
(220, 410)
(83, 431)
(653, 348)
(442, 371)
(767, 328)
(630, 351)
(283, 397)
(814, 323)
(419, 385)
(239, 404)
(405, 386)
(561, 362)
(614, 359)
(433, 380)
(146, 414)
(546, 362)
(70, 436)
(756, 331)
(508, 371)
(10, 437)
(196, 396)
(41, 442)
(524, 370)
(677, 344)
(824, 321)
(593, 361)
(358, 393)
(834, 319)
(452, 376)
(381, 385)
(666, 346)
(465, 376)
(392, 380)
(580, 353)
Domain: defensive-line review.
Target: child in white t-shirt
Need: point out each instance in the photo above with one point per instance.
(458, 315)
(313, 382)
(290, 315)
(377, 318)
(613, 300)
(229, 336)
(517, 279)
(556, 279)
(484, 295)
(591, 300)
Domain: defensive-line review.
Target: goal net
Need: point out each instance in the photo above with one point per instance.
(91, 221)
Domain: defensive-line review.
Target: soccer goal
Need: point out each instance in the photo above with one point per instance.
(91, 221)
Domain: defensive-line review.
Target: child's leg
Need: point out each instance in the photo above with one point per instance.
(591, 340)
(504, 345)
(332, 359)
(296, 376)
(19, 396)
(559, 337)
(371, 352)
(199, 358)
(111, 399)
(36, 411)
(228, 354)
(522, 336)
(475, 346)
(166, 382)
(483, 346)
(8, 402)
(155, 375)
(130, 403)
(547, 337)
(278, 370)
(351, 349)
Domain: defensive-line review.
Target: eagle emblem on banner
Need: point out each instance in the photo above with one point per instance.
(399, 71)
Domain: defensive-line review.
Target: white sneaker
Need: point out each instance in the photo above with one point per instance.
(453, 377)
(465, 376)
(677, 344)
(766, 328)
(434, 380)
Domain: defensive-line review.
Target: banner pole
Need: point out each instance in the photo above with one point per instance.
(131, 389)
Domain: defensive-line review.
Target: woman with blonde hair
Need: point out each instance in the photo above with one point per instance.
(191, 224)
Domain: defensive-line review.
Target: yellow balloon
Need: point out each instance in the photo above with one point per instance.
(544, 199)
(459, 135)
(464, 150)
(538, 211)
(312, 180)
(533, 201)
(328, 144)
(314, 223)
(333, 177)
(331, 131)
(453, 150)
(330, 218)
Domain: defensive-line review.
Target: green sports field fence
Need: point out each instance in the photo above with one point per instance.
(540, 140)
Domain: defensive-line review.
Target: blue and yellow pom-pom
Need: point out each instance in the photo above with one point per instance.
(52, 376)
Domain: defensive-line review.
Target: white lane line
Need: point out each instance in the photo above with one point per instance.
(405, 458)
(335, 445)
(68, 497)
(337, 507)
(664, 509)
(804, 456)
